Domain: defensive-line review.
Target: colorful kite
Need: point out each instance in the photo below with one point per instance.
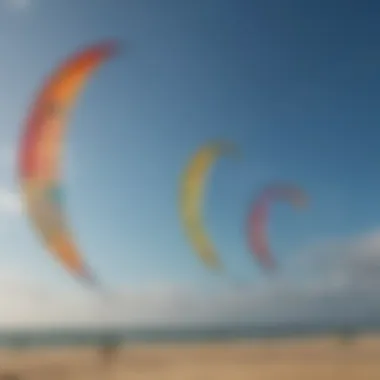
(41, 149)
(192, 189)
(258, 219)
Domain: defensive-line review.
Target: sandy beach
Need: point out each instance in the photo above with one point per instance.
(307, 359)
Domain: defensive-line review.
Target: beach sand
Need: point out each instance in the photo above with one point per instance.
(306, 359)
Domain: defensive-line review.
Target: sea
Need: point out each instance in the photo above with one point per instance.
(57, 337)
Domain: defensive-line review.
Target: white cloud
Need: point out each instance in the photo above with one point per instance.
(9, 202)
(344, 289)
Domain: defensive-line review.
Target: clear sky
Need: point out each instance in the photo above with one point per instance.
(294, 84)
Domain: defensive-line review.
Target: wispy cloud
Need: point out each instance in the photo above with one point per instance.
(344, 289)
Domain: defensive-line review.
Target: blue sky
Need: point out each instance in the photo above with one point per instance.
(293, 84)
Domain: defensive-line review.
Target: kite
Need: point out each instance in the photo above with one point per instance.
(192, 189)
(258, 219)
(40, 151)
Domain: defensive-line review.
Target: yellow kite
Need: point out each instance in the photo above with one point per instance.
(192, 189)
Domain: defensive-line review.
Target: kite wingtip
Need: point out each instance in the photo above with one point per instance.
(214, 264)
(270, 267)
(217, 267)
(88, 278)
(226, 147)
(301, 201)
(111, 46)
(107, 47)
(116, 45)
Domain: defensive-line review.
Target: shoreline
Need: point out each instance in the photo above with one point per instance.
(293, 358)
(77, 339)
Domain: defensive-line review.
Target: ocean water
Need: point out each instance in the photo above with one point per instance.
(86, 337)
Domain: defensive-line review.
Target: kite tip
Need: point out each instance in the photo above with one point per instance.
(218, 267)
(88, 278)
(111, 46)
(301, 201)
(115, 46)
(269, 266)
(214, 264)
(227, 147)
(106, 47)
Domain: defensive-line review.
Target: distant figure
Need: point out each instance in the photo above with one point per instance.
(347, 335)
(109, 348)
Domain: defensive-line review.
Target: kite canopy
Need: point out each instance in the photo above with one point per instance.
(40, 153)
(191, 203)
(258, 219)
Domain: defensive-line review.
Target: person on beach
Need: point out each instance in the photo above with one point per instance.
(109, 348)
